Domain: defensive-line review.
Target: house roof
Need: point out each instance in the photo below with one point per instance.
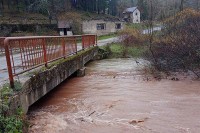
(131, 9)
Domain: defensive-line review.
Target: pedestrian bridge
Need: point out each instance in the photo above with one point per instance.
(55, 58)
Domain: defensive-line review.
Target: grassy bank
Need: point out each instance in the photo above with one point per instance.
(107, 36)
(117, 50)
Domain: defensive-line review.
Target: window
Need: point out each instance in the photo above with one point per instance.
(118, 26)
(101, 26)
(136, 13)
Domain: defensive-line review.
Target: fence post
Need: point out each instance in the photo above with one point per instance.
(44, 50)
(63, 45)
(7, 53)
(96, 39)
(75, 41)
(83, 42)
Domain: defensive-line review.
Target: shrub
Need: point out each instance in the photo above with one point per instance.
(179, 44)
(131, 37)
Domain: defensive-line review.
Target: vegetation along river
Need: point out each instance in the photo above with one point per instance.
(116, 96)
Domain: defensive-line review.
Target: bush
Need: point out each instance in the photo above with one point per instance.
(12, 124)
(131, 37)
(178, 47)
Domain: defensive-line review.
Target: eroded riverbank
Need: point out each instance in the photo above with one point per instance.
(115, 96)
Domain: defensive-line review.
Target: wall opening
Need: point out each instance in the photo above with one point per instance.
(101, 26)
(118, 26)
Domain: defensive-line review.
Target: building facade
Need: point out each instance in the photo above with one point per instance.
(132, 15)
(101, 27)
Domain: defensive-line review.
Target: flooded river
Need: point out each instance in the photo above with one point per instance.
(115, 97)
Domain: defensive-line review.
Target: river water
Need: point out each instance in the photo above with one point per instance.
(116, 97)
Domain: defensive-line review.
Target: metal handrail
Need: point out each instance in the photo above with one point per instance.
(2, 45)
(26, 53)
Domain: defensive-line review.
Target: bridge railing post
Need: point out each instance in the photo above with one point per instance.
(44, 51)
(75, 41)
(63, 46)
(83, 42)
(8, 61)
(96, 39)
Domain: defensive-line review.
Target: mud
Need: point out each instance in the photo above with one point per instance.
(114, 97)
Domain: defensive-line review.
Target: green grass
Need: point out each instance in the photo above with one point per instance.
(138, 26)
(103, 37)
(136, 51)
(117, 50)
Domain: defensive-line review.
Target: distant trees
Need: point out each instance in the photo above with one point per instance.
(164, 8)
(112, 7)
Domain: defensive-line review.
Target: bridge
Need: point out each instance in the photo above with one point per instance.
(54, 57)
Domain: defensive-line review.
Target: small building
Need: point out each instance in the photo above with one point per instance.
(96, 26)
(132, 15)
(101, 27)
(64, 28)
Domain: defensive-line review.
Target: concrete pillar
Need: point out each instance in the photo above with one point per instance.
(81, 72)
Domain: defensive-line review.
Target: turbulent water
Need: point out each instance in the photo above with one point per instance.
(116, 97)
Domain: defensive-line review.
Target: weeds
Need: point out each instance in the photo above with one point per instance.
(13, 123)
(10, 123)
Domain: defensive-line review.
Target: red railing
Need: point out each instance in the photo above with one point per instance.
(26, 53)
(87, 40)
(2, 45)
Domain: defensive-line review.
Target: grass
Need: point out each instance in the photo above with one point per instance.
(117, 50)
(103, 37)
(136, 51)
(139, 26)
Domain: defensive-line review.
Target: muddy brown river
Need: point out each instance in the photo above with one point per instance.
(116, 97)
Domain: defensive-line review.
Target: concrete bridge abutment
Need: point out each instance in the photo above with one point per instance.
(45, 81)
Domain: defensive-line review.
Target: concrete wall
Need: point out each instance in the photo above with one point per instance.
(90, 27)
(40, 84)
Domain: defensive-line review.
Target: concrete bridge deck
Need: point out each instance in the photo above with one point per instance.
(3, 66)
(37, 84)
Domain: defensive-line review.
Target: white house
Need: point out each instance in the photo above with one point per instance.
(132, 15)
(101, 27)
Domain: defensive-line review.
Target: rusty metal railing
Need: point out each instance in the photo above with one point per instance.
(26, 53)
(87, 40)
(2, 50)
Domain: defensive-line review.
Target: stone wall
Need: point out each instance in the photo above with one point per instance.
(43, 82)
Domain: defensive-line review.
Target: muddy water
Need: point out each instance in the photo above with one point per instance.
(114, 97)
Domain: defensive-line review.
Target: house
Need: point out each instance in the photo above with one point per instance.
(101, 27)
(132, 15)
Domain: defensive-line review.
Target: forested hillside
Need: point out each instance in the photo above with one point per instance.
(52, 8)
